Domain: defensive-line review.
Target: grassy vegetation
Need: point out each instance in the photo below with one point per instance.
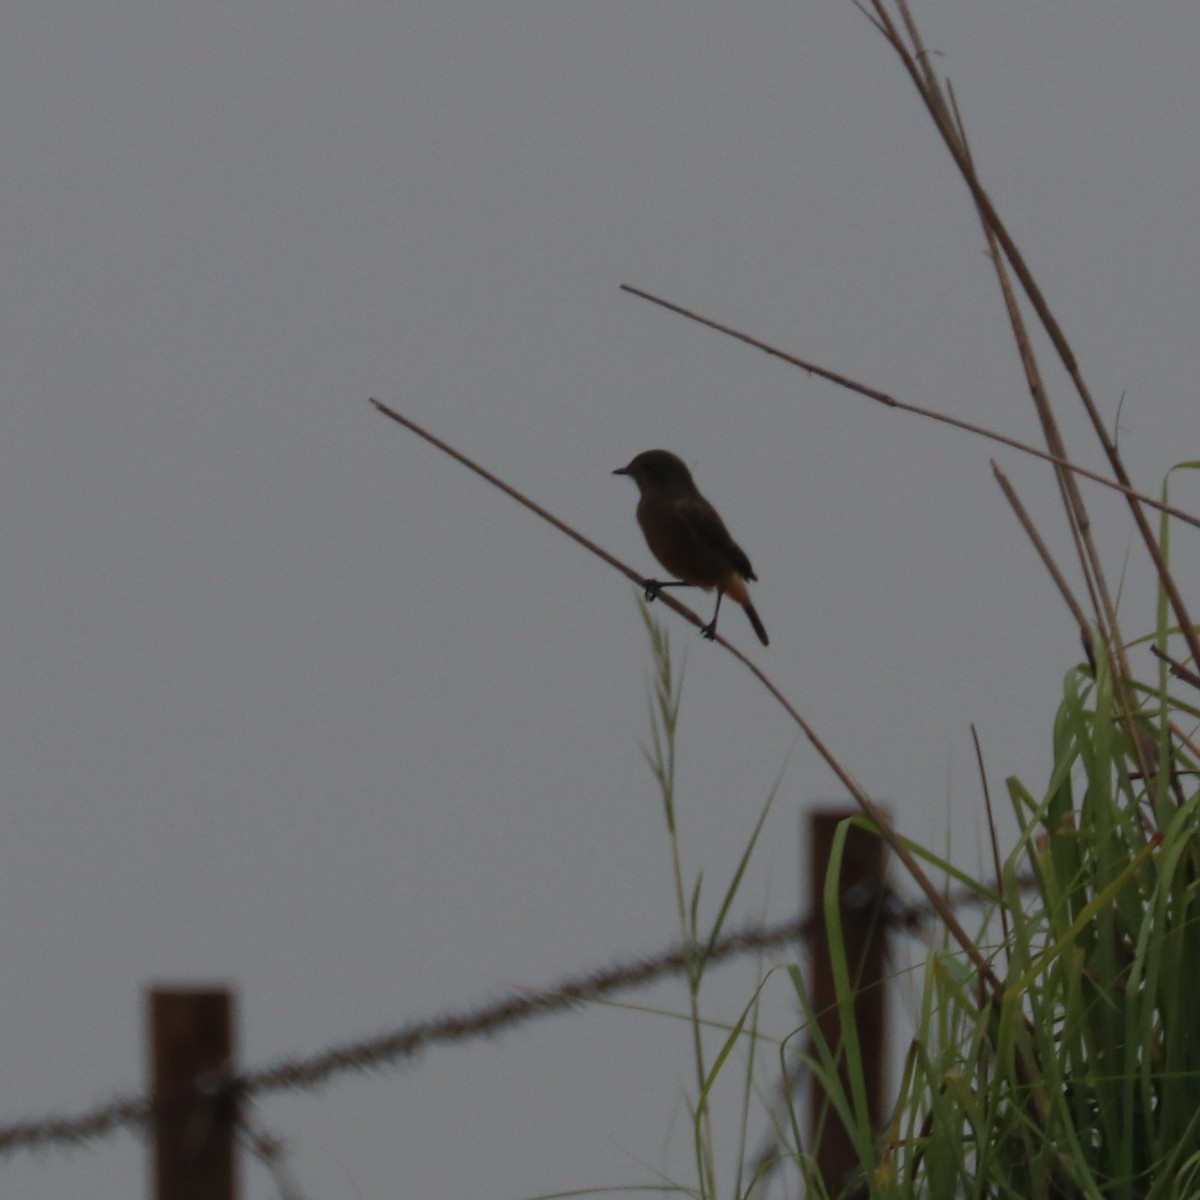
(1071, 1068)
(1057, 1049)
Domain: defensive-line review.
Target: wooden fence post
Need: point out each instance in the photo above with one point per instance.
(864, 932)
(191, 1046)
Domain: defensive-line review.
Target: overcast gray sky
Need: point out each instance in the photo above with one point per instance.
(293, 701)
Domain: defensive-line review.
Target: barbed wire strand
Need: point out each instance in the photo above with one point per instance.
(406, 1042)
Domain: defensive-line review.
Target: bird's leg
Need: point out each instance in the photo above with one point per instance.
(710, 630)
(654, 586)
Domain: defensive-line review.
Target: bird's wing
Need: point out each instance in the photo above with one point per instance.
(705, 525)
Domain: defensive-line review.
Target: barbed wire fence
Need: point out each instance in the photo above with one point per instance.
(405, 1043)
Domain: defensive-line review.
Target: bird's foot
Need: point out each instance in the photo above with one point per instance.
(710, 630)
(653, 589)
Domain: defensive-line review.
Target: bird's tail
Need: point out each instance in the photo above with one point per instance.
(756, 621)
(735, 588)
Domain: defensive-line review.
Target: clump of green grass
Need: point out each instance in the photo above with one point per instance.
(1081, 1077)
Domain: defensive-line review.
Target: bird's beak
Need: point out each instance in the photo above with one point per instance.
(622, 471)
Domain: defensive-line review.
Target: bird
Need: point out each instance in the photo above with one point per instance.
(687, 536)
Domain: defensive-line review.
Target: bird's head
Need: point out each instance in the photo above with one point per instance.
(658, 470)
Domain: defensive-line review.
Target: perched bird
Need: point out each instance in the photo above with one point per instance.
(685, 533)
